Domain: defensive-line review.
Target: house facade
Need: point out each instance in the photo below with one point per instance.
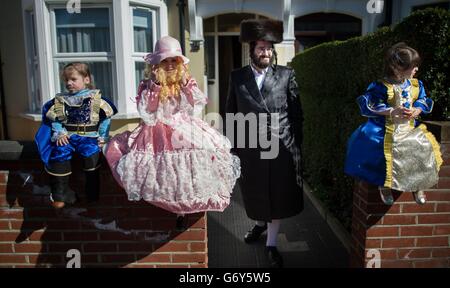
(39, 36)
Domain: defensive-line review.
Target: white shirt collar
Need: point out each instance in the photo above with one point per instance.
(257, 73)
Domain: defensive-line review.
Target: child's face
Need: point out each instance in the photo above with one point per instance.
(76, 82)
(169, 64)
(409, 73)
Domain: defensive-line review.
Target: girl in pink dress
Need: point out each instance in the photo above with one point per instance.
(173, 159)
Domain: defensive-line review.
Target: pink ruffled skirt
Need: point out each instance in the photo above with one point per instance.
(184, 167)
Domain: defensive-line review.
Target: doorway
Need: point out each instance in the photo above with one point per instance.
(223, 54)
(230, 58)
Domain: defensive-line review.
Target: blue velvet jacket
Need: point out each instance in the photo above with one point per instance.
(85, 107)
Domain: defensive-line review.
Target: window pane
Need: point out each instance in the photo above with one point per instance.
(33, 81)
(83, 32)
(101, 77)
(143, 30)
(139, 68)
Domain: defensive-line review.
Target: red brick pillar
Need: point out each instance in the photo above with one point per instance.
(405, 234)
(114, 233)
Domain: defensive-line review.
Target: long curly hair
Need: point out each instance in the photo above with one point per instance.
(170, 82)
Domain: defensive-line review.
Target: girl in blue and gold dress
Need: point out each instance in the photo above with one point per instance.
(391, 150)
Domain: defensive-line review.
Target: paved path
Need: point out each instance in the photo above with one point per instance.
(304, 240)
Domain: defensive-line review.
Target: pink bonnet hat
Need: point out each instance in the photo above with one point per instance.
(165, 47)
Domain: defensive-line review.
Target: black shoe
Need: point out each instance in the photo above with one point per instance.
(70, 197)
(181, 223)
(92, 186)
(275, 259)
(254, 234)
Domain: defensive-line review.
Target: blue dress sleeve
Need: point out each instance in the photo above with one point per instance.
(373, 100)
(423, 102)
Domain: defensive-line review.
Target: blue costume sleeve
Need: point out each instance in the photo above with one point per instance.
(111, 105)
(374, 100)
(103, 128)
(105, 121)
(58, 130)
(423, 102)
(43, 135)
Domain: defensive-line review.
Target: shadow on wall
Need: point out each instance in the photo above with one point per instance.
(113, 233)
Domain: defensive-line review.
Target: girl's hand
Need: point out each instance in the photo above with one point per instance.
(414, 113)
(63, 140)
(153, 74)
(101, 142)
(399, 112)
(184, 78)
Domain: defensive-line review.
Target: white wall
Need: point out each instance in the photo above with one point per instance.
(402, 8)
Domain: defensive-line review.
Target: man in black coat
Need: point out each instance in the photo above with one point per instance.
(271, 181)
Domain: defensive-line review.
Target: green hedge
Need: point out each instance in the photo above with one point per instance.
(333, 74)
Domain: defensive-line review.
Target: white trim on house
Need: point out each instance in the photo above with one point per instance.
(123, 73)
(138, 57)
(403, 8)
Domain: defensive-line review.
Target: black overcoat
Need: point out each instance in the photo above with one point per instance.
(271, 188)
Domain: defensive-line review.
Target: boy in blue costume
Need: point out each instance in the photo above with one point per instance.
(391, 150)
(76, 121)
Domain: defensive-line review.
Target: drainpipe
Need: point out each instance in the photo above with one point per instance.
(388, 15)
(388, 7)
(181, 4)
(3, 102)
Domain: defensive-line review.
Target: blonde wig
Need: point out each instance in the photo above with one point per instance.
(170, 82)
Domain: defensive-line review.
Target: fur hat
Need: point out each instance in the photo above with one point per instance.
(262, 29)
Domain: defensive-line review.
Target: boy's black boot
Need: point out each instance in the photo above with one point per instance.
(59, 186)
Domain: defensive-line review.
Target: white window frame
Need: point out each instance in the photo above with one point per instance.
(83, 56)
(137, 57)
(33, 74)
(122, 50)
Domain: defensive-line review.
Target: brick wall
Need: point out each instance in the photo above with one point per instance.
(405, 234)
(113, 233)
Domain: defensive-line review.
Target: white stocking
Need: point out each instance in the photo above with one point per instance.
(272, 232)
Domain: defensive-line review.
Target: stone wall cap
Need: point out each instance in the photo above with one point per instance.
(18, 150)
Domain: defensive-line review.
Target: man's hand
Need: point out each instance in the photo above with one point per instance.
(62, 140)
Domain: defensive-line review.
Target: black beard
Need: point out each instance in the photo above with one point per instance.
(259, 64)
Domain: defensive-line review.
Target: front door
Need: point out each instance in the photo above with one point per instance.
(230, 58)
